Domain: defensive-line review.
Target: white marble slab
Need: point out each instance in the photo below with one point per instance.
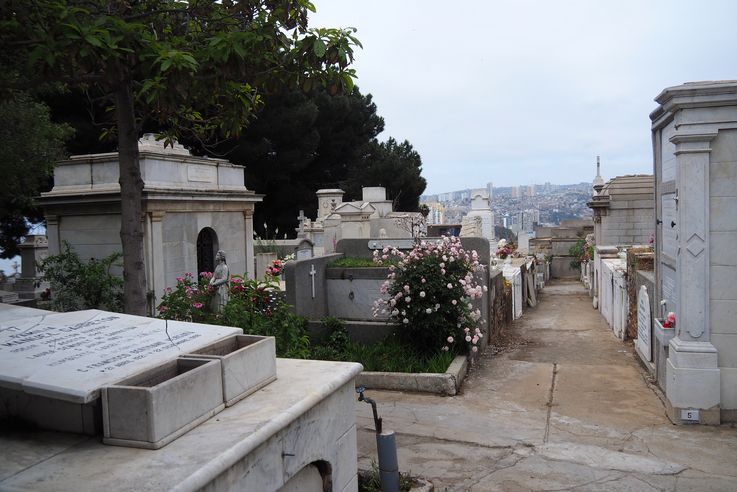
(70, 356)
(11, 311)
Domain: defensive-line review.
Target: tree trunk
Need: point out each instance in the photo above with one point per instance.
(131, 195)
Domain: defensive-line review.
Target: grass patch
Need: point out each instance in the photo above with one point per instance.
(356, 262)
(370, 481)
(390, 355)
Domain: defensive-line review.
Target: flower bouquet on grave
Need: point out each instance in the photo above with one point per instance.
(275, 269)
(504, 249)
(670, 320)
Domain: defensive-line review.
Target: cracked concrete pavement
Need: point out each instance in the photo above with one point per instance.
(569, 409)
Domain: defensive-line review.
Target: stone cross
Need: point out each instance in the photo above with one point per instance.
(312, 277)
(15, 266)
(301, 219)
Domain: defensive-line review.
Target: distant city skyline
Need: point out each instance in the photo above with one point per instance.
(529, 91)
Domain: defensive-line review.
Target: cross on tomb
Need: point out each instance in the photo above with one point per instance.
(312, 277)
(301, 217)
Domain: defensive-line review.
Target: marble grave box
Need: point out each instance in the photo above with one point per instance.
(54, 365)
(248, 363)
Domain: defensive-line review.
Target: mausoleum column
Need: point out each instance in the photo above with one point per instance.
(248, 244)
(693, 379)
(52, 234)
(693, 153)
(155, 260)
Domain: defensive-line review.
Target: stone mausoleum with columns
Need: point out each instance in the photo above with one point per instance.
(695, 148)
(192, 207)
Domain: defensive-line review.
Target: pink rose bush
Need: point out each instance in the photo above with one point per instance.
(188, 301)
(430, 292)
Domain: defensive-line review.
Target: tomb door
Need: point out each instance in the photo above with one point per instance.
(207, 246)
(667, 228)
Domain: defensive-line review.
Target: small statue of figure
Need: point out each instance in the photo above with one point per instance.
(220, 282)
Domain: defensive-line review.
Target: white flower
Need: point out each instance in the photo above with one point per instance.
(468, 338)
(422, 294)
(407, 299)
(450, 339)
(474, 349)
(450, 286)
(405, 321)
(395, 312)
(454, 302)
(428, 310)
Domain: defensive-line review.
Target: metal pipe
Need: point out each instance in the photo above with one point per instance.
(386, 446)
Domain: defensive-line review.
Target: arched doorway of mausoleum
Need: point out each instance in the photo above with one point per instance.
(207, 247)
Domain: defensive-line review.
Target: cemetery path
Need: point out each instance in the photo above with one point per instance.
(565, 407)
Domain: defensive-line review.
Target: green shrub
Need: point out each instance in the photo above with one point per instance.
(581, 251)
(77, 285)
(335, 342)
(254, 306)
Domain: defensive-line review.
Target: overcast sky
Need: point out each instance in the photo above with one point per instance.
(522, 92)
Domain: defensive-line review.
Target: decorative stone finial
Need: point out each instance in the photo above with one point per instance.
(598, 183)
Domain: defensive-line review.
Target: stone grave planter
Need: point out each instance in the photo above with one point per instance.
(248, 363)
(151, 409)
(663, 337)
(351, 292)
(446, 384)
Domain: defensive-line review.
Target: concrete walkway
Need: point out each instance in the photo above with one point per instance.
(567, 407)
